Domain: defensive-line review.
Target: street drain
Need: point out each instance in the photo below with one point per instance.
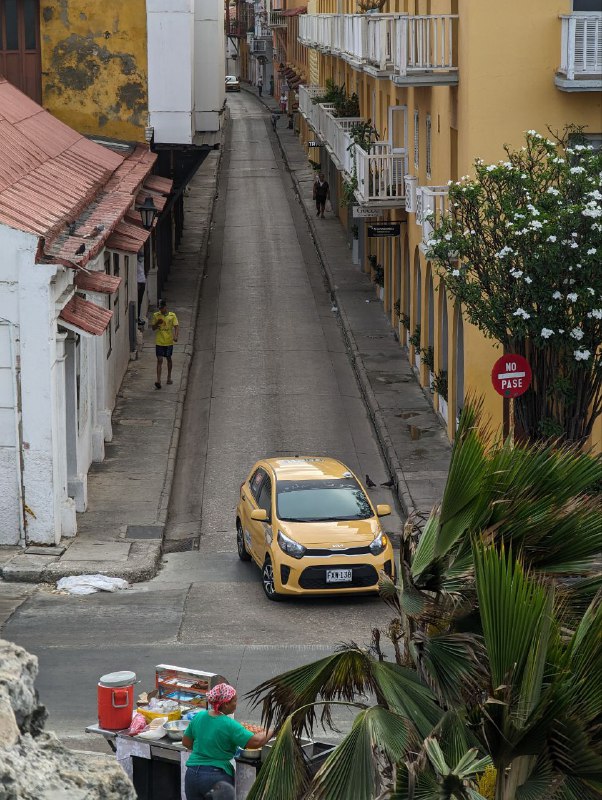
(181, 545)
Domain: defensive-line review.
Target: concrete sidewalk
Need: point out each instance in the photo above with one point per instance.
(128, 493)
(412, 438)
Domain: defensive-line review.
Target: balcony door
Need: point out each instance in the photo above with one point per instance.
(20, 46)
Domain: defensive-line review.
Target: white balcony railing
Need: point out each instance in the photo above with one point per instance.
(277, 20)
(260, 46)
(398, 44)
(433, 206)
(379, 173)
(581, 46)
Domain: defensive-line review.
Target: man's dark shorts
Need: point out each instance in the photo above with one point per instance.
(163, 351)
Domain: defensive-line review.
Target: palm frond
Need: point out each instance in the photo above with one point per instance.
(354, 769)
(455, 664)
(511, 607)
(284, 772)
(341, 676)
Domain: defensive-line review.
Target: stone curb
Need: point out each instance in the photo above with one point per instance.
(189, 350)
(374, 410)
(141, 565)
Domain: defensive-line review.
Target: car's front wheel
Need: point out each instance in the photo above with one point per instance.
(267, 580)
(240, 543)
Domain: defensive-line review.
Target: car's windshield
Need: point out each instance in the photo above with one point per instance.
(321, 501)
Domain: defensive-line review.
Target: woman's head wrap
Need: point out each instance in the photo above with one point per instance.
(220, 694)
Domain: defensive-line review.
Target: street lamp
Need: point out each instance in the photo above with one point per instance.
(148, 212)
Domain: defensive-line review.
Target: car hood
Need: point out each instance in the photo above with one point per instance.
(323, 534)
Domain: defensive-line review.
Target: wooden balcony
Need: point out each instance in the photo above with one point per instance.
(409, 49)
(581, 53)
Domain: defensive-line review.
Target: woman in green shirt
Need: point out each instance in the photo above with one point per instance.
(214, 738)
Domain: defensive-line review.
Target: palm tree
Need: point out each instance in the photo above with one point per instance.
(497, 639)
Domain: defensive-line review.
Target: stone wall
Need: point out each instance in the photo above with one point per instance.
(34, 765)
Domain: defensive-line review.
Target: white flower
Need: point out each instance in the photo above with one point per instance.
(572, 297)
(576, 170)
(573, 245)
(455, 272)
(581, 355)
(516, 273)
(592, 210)
(520, 312)
(490, 167)
(577, 334)
(554, 191)
(528, 279)
(591, 291)
(546, 333)
(560, 330)
(551, 239)
(533, 210)
(535, 224)
(595, 194)
(504, 252)
(557, 296)
(447, 237)
(532, 133)
(519, 216)
(591, 251)
(595, 314)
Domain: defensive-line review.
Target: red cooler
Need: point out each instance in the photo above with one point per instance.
(116, 700)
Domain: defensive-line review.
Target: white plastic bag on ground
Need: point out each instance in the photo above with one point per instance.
(88, 584)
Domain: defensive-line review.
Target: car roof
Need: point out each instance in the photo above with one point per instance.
(307, 468)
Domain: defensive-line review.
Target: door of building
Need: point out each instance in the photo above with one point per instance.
(20, 46)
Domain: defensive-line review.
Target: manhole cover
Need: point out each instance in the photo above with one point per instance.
(181, 545)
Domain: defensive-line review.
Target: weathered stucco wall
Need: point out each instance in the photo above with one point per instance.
(94, 65)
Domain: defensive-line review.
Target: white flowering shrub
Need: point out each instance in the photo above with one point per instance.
(521, 248)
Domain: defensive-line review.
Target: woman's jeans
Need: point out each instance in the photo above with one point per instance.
(209, 783)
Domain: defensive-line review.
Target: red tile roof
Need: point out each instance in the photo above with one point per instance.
(86, 316)
(52, 177)
(97, 282)
(158, 184)
(128, 236)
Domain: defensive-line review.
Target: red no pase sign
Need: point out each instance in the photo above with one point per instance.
(511, 375)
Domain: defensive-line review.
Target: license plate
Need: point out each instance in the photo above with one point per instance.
(338, 575)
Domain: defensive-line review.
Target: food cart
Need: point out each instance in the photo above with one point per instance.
(157, 766)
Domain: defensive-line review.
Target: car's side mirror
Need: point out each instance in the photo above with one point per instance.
(383, 510)
(261, 515)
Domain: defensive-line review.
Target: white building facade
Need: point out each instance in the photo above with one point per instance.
(186, 83)
(68, 297)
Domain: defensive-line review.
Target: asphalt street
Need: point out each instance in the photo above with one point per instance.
(270, 376)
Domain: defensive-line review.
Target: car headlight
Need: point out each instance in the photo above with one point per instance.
(378, 544)
(290, 546)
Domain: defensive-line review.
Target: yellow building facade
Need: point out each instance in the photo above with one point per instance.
(94, 66)
(443, 82)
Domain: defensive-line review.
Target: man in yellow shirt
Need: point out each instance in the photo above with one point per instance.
(165, 324)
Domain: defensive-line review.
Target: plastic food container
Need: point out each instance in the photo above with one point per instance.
(148, 715)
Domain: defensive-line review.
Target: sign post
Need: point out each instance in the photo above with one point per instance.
(511, 377)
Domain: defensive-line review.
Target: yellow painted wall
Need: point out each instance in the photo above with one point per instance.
(507, 57)
(94, 65)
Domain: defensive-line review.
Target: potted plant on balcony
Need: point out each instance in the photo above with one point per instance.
(371, 6)
(404, 322)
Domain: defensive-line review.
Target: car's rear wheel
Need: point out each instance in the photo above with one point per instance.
(240, 543)
(267, 580)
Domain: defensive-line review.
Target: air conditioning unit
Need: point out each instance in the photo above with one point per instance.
(410, 192)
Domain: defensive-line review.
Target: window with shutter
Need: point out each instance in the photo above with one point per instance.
(20, 60)
(588, 44)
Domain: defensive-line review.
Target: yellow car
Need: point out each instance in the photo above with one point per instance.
(308, 523)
